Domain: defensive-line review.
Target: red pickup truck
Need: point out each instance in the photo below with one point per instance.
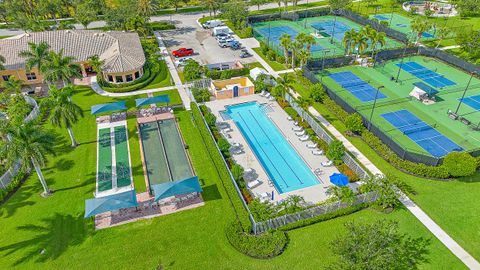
(182, 52)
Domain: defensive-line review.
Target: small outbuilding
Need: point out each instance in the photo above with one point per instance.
(234, 87)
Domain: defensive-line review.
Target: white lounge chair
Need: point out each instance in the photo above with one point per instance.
(253, 184)
(304, 138)
(262, 93)
(248, 171)
(271, 98)
(237, 151)
(297, 129)
(312, 145)
(296, 123)
(318, 171)
(326, 163)
(227, 129)
(265, 196)
(289, 118)
(317, 152)
(301, 133)
(237, 145)
(267, 95)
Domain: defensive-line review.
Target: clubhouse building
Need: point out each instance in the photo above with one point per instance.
(121, 52)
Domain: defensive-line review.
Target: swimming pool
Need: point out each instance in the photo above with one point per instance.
(281, 162)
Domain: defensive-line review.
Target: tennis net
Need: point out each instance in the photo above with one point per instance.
(417, 129)
(353, 83)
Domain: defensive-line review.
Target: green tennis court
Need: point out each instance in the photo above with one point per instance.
(398, 98)
(164, 154)
(104, 163)
(328, 32)
(402, 24)
(122, 157)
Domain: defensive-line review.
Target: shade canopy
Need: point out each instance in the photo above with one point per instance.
(110, 203)
(108, 107)
(426, 88)
(152, 100)
(339, 179)
(179, 187)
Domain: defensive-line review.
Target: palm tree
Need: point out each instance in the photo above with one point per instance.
(63, 112)
(442, 33)
(147, 7)
(12, 85)
(36, 56)
(212, 6)
(309, 41)
(96, 63)
(360, 42)
(286, 43)
(420, 25)
(2, 62)
(378, 38)
(59, 67)
(348, 39)
(297, 44)
(29, 144)
(303, 55)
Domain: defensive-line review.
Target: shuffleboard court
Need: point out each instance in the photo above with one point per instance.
(104, 170)
(427, 75)
(154, 154)
(356, 86)
(421, 133)
(122, 157)
(472, 101)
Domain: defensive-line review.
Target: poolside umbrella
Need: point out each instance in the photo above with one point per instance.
(179, 187)
(139, 102)
(108, 107)
(339, 179)
(108, 203)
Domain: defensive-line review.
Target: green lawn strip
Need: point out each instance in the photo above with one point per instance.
(290, 8)
(253, 65)
(135, 155)
(122, 157)
(104, 160)
(162, 79)
(273, 64)
(451, 204)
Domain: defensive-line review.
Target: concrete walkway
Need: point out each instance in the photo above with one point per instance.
(433, 227)
(173, 71)
(449, 47)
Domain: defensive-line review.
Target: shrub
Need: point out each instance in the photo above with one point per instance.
(335, 108)
(159, 26)
(317, 93)
(354, 123)
(226, 74)
(237, 172)
(201, 94)
(352, 176)
(264, 48)
(271, 55)
(263, 246)
(192, 70)
(247, 32)
(460, 164)
(336, 150)
(210, 119)
(280, 59)
(12, 186)
(224, 146)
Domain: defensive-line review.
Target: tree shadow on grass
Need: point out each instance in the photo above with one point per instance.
(50, 239)
(64, 164)
(211, 193)
(475, 178)
(19, 199)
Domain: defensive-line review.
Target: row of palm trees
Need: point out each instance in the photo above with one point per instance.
(298, 47)
(27, 142)
(358, 41)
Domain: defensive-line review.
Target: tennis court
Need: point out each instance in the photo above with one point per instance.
(402, 24)
(275, 33)
(421, 133)
(356, 86)
(427, 75)
(472, 101)
(332, 28)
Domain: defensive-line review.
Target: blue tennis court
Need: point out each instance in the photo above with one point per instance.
(421, 133)
(429, 76)
(277, 31)
(356, 86)
(473, 101)
(338, 28)
(381, 17)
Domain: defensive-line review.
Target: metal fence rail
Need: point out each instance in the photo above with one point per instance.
(321, 133)
(278, 222)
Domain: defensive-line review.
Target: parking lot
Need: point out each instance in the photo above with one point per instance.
(190, 34)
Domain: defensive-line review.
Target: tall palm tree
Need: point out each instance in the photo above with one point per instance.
(29, 144)
(348, 39)
(297, 45)
(286, 43)
(59, 68)
(378, 39)
(420, 25)
(147, 7)
(2, 62)
(36, 56)
(360, 42)
(96, 63)
(63, 112)
(303, 55)
(12, 85)
(309, 41)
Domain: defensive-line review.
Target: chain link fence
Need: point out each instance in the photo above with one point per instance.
(322, 209)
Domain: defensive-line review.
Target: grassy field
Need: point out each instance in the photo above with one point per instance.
(398, 99)
(192, 239)
(451, 204)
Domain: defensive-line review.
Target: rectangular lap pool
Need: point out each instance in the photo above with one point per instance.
(279, 159)
(164, 153)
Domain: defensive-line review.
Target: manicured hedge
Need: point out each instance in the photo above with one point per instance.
(158, 26)
(221, 168)
(263, 246)
(12, 186)
(226, 74)
(324, 217)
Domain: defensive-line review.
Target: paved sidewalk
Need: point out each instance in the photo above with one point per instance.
(449, 47)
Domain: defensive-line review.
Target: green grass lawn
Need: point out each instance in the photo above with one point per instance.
(162, 79)
(192, 239)
(273, 64)
(451, 204)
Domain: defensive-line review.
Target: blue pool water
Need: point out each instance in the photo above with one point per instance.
(282, 163)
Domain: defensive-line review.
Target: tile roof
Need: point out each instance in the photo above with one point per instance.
(121, 51)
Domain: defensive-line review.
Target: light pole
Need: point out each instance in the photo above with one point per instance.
(373, 107)
(401, 63)
(323, 59)
(464, 92)
(333, 30)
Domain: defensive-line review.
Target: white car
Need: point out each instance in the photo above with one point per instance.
(182, 61)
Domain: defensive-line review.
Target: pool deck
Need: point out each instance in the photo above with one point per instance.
(114, 189)
(247, 159)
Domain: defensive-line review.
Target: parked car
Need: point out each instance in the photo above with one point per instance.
(212, 24)
(222, 36)
(182, 52)
(182, 61)
(235, 45)
(220, 30)
(224, 43)
(244, 54)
